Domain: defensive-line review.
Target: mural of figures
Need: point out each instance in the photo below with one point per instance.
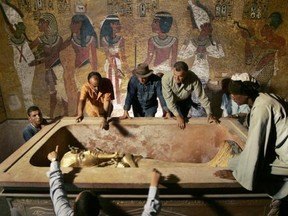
(202, 47)
(264, 53)
(114, 47)
(21, 51)
(84, 43)
(162, 48)
(47, 48)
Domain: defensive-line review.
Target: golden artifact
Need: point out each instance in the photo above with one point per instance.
(87, 158)
(227, 150)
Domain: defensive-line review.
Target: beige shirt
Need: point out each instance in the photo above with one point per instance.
(173, 93)
(266, 145)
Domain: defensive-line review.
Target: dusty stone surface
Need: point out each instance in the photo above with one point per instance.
(181, 153)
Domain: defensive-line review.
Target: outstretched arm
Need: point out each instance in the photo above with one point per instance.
(57, 193)
(152, 206)
(80, 109)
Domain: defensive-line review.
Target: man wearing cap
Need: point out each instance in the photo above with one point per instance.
(143, 89)
(263, 164)
(96, 96)
(177, 87)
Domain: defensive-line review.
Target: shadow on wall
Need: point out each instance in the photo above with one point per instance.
(11, 137)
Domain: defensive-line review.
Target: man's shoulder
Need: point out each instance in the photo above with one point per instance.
(192, 74)
(107, 85)
(155, 78)
(28, 127)
(106, 80)
(85, 86)
(263, 98)
(28, 130)
(133, 78)
(192, 77)
(168, 76)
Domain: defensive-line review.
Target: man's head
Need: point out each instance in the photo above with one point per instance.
(225, 84)
(242, 87)
(142, 72)
(180, 71)
(34, 116)
(94, 78)
(86, 204)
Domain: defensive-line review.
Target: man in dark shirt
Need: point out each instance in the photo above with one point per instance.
(36, 122)
(144, 88)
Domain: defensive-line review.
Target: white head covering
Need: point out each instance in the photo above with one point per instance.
(12, 15)
(200, 15)
(243, 84)
(243, 77)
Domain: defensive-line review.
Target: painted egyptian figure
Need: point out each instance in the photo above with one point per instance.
(114, 48)
(84, 42)
(162, 48)
(202, 47)
(264, 53)
(22, 53)
(48, 47)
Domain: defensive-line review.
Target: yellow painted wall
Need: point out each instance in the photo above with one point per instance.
(136, 30)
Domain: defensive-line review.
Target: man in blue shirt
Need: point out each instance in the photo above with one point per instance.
(36, 122)
(144, 88)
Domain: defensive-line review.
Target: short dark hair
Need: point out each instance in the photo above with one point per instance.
(181, 66)
(31, 109)
(93, 73)
(87, 204)
(225, 84)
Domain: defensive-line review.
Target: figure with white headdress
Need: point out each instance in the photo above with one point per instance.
(23, 55)
(202, 47)
(47, 47)
(114, 48)
(162, 48)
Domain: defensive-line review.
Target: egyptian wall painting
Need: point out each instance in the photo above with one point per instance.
(51, 45)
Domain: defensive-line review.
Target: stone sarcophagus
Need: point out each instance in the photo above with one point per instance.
(187, 159)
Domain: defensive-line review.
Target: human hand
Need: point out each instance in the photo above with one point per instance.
(125, 115)
(166, 115)
(79, 118)
(225, 174)
(213, 119)
(155, 177)
(180, 122)
(53, 155)
(104, 124)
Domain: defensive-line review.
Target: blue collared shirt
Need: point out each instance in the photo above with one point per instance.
(29, 131)
(145, 94)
